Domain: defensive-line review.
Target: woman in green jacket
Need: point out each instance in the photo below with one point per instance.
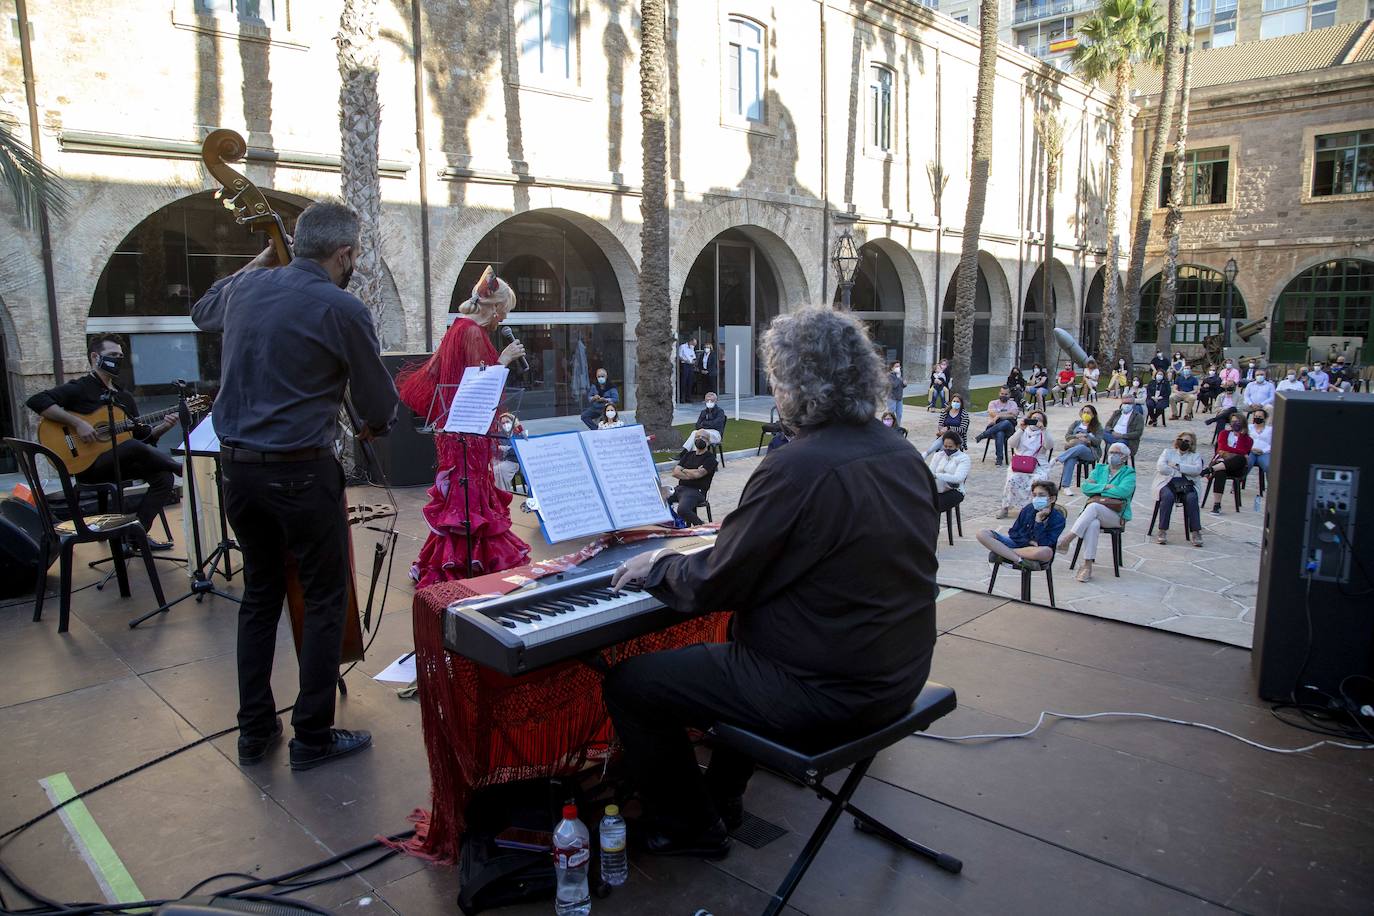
(1109, 489)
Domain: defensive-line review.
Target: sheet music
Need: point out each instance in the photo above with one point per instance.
(556, 469)
(474, 405)
(625, 469)
(203, 437)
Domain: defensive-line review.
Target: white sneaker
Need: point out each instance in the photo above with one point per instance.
(1067, 491)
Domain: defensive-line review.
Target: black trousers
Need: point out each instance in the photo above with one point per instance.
(138, 461)
(687, 500)
(275, 508)
(654, 698)
(947, 500)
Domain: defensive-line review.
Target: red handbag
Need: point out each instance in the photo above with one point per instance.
(1023, 464)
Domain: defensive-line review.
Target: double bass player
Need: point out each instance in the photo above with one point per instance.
(293, 338)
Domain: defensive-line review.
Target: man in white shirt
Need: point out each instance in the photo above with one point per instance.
(950, 465)
(686, 367)
(1290, 382)
(1260, 392)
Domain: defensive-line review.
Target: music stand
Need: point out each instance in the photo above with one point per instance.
(200, 582)
(435, 417)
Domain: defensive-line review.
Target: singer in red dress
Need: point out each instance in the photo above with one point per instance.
(494, 546)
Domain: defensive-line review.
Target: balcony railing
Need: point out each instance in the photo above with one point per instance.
(1026, 12)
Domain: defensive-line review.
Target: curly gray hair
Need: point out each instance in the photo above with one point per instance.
(824, 367)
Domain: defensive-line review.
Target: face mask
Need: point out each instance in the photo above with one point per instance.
(897, 370)
(955, 405)
(1228, 365)
(1159, 353)
(1040, 502)
(1252, 365)
(710, 403)
(347, 274)
(1032, 423)
(700, 444)
(1114, 460)
(1260, 377)
(610, 415)
(1159, 377)
(111, 363)
(601, 379)
(1086, 417)
(1237, 425)
(887, 421)
(1182, 445)
(1187, 372)
(1292, 376)
(949, 450)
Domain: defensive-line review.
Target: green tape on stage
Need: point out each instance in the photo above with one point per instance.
(97, 851)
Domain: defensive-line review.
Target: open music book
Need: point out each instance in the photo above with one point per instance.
(591, 482)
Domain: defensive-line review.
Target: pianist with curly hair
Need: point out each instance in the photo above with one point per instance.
(829, 565)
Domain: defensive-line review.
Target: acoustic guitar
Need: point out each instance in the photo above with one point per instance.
(79, 455)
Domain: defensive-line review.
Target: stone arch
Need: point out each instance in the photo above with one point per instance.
(768, 226)
(994, 355)
(1199, 310)
(1342, 293)
(1034, 343)
(1300, 266)
(915, 330)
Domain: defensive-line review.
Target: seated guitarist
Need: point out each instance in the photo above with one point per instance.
(138, 459)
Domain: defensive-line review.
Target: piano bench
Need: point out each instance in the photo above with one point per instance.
(811, 767)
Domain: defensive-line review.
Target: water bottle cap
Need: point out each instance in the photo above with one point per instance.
(570, 812)
(612, 810)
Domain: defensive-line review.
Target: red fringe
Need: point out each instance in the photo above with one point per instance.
(482, 728)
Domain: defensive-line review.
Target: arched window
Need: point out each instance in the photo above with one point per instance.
(744, 69)
(878, 300)
(982, 323)
(728, 300)
(1202, 301)
(1333, 299)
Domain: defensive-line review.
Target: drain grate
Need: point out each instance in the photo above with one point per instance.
(757, 833)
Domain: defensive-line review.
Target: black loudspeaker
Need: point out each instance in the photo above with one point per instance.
(20, 534)
(406, 456)
(1313, 620)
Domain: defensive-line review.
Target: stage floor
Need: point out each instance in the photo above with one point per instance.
(1116, 816)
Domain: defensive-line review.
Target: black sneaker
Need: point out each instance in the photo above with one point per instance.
(342, 742)
(253, 750)
(711, 843)
(731, 811)
(1216, 510)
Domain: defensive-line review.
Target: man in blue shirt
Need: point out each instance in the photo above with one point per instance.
(1185, 393)
(1260, 392)
(1319, 379)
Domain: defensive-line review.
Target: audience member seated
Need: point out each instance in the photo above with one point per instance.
(1064, 384)
(1110, 488)
(1037, 386)
(610, 418)
(1318, 378)
(1157, 396)
(1035, 531)
(1082, 442)
(1137, 391)
(1303, 379)
(1159, 363)
(889, 419)
(1016, 384)
(693, 474)
(1002, 416)
(1185, 393)
(950, 465)
(1176, 481)
(1230, 461)
(1089, 380)
(1260, 392)
(601, 394)
(939, 385)
(1289, 382)
(1230, 374)
(507, 466)
(1030, 449)
(1177, 364)
(1261, 440)
(954, 419)
(1126, 424)
(711, 421)
(1342, 375)
(1210, 388)
(1248, 374)
(1120, 378)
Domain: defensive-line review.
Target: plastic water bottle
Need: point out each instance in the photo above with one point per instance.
(1257, 502)
(572, 854)
(615, 869)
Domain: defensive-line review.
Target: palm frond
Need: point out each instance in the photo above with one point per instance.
(31, 183)
(1117, 32)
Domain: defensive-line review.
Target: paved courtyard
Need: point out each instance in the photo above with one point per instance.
(1207, 592)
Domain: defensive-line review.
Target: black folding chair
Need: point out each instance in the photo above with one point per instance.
(810, 768)
(63, 536)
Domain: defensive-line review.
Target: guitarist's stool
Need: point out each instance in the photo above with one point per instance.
(810, 767)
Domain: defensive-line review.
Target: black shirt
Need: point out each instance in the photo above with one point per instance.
(292, 340)
(691, 461)
(712, 418)
(82, 396)
(828, 563)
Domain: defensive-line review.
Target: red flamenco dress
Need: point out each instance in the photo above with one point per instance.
(494, 546)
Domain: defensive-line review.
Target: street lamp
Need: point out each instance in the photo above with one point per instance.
(1229, 272)
(846, 261)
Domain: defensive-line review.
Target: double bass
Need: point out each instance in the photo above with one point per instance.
(252, 209)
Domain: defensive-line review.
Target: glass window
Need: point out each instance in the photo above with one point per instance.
(1198, 308)
(1203, 14)
(1323, 14)
(1343, 164)
(1224, 35)
(545, 33)
(262, 11)
(1289, 22)
(1271, 6)
(1206, 181)
(880, 108)
(744, 69)
(1333, 299)
(962, 17)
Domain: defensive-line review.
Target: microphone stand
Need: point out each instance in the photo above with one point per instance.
(201, 585)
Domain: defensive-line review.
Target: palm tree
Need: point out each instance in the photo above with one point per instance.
(1173, 222)
(360, 120)
(653, 334)
(34, 187)
(966, 278)
(1116, 37)
(1050, 130)
(1149, 188)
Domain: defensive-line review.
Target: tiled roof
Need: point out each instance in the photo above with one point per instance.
(1350, 43)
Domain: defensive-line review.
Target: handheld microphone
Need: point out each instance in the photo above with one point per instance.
(509, 337)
